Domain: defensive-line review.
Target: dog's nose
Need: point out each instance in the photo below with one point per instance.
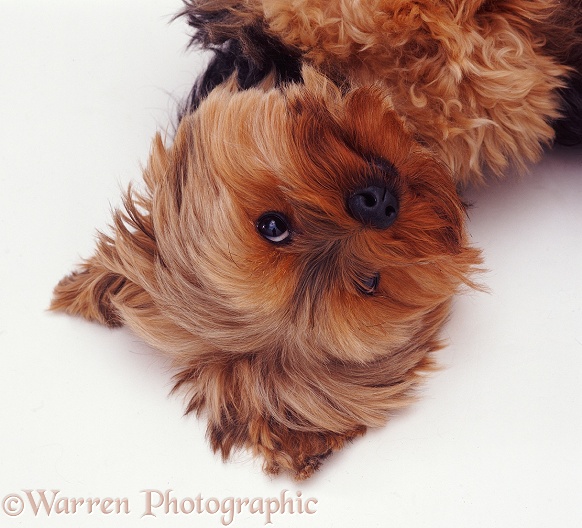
(374, 206)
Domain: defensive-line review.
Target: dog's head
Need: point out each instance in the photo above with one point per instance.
(303, 221)
(296, 249)
(296, 252)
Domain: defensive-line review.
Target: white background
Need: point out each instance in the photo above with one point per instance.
(496, 438)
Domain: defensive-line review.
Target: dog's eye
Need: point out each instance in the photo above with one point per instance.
(369, 285)
(274, 227)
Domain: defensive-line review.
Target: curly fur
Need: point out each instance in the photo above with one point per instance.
(473, 79)
(281, 346)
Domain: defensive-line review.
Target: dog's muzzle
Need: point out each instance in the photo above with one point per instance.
(374, 206)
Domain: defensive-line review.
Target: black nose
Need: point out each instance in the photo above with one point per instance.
(374, 206)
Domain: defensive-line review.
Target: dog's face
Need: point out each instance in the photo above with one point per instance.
(268, 233)
(295, 252)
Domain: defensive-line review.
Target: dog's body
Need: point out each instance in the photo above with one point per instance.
(298, 245)
(480, 82)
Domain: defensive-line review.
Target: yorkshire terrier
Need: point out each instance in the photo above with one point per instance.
(297, 246)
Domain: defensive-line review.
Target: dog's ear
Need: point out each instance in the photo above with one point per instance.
(110, 283)
(88, 292)
(243, 49)
(105, 286)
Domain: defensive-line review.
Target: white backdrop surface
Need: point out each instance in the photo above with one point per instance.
(495, 439)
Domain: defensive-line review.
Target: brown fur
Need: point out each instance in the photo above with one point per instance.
(471, 78)
(276, 344)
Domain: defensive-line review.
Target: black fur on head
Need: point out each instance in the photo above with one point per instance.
(563, 40)
(241, 46)
(242, 49)
(569, 128)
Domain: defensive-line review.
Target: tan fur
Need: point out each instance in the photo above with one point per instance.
(469, 77)
(275, 344)
(278, 345)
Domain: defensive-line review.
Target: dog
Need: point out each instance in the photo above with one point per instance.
(298, 244)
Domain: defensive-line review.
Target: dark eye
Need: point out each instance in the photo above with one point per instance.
(274, 227)
(369, 285)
